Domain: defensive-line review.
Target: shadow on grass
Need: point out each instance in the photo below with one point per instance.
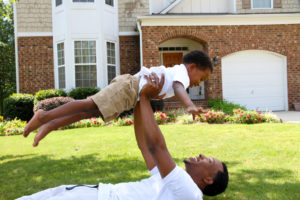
(261, 184)
(27, 174)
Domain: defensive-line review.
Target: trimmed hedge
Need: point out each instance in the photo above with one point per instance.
(51, 103)
(82, 92)
(19, 106)
(46, 94)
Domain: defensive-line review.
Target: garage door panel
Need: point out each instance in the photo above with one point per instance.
(255, 79)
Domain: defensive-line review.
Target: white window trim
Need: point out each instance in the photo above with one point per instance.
(115, 65)
(59, 66)
(272, 6)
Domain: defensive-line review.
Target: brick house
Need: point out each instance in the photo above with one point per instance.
(255, 45)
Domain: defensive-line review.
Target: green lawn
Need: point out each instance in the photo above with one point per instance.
(263, 159)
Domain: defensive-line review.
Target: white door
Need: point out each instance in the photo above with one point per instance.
(255, 79)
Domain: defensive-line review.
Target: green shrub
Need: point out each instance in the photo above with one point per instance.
(46, 94)
(173, 114)
(223, 105)
(185, 119)
(124, 121)
(248, 116)
(19, 106)
(85, 123)
(54, 102)
(82, 92)
(13, 127)
(213, 117)
(160, 117)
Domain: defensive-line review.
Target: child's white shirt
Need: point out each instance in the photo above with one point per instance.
(177, 73)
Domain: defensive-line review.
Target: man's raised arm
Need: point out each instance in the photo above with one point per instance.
(154, 139)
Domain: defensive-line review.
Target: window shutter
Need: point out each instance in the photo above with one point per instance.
(277, 4)
(246, 4)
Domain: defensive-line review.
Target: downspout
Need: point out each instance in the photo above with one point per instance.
(141, 41)
(16, 47)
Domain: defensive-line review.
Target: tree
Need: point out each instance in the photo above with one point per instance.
(7, 51)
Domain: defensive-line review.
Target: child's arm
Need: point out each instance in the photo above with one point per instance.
(184, 98)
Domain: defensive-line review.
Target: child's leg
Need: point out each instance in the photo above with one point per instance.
(41, 117)
(62, 121)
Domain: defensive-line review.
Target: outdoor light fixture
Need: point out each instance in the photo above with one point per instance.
(215, 60)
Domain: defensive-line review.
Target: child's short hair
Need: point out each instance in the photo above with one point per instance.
(200, 58)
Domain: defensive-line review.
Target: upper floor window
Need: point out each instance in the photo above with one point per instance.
(85, 63)
(83, 0)
(58, 2)
(109, 2)
(262, 4)
(61, 65)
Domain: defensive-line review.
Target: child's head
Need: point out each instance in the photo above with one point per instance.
(199, 66)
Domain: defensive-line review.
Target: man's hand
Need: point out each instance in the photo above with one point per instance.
(194, 110)
(153, 87)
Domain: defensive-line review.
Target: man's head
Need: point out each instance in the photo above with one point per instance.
(209, 174)
(199, 66)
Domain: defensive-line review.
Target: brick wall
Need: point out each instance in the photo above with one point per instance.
(35, 64)
(223, 40)
(129, 54)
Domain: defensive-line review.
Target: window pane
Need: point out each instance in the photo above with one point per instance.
(61, 78)
(58, 2)
(109, 2)
(83, 0)
(86, 76)
(262, 3)
(85, 52)
(111, 73)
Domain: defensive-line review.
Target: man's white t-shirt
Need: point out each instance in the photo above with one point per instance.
(177, 185)
(177, 73)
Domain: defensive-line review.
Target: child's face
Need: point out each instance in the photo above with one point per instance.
(197, 76)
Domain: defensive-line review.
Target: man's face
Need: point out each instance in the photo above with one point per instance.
(197, 76)
(201, 168)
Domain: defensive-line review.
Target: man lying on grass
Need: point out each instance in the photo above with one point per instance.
(203, 175)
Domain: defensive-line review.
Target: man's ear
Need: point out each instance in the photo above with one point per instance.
(208, 180)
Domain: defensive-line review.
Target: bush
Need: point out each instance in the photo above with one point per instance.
(13, 127)
(160, 117)
(124, 121)
(223, 105)
(19, 106)
(46, 94)
(1, 118)
(213, 117)
(82, 92)
(85, 123)
(51, 103)
(173, 114)
(185, 119)
(248, 117)
(157, 105)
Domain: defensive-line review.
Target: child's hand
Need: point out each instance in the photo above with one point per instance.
(194, 110)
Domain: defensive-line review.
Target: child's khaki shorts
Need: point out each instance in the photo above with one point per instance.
(120, 95)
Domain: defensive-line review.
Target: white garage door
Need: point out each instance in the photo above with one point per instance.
(255, 79)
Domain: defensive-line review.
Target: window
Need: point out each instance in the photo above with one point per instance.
(260, 4)
(109, 2)
(58, 2)
(83, 0)
(61, 66)
(111, 61)
(85, 64)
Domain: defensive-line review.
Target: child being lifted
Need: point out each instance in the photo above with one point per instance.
(123, 93)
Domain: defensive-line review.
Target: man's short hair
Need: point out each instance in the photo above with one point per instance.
(220, 183)
(200, 58)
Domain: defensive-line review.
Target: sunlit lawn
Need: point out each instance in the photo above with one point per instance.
(263, 160)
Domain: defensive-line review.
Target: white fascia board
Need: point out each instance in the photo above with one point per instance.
(219, 20)
(16, 47)
(34, 34)
(132, 33)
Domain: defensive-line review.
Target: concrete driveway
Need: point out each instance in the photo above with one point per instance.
(288, 116)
